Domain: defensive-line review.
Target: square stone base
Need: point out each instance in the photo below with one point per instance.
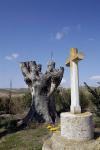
(77, 126)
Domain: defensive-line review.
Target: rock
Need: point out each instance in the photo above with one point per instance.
(57, 142)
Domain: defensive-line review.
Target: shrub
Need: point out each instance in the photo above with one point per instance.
(17, 104)
(84, 100)
(62, 100)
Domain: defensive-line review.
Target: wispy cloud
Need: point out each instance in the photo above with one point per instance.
(8, 57)
(63, 33)
(15, 55)
(60, 35)
(91, 39)
(66, 30)
(95, 77)
(12, 56)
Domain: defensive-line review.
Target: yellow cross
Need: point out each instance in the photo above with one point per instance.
(74, 56)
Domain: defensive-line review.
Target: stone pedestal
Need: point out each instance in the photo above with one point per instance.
(77, 126)
(58, 142)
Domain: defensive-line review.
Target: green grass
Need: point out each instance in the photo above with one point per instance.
(29, 139)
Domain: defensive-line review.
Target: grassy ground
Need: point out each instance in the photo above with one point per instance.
(29, 139)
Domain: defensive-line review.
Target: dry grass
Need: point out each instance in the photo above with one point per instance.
(29, 139)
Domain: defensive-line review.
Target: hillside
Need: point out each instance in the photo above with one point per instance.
(15, 92)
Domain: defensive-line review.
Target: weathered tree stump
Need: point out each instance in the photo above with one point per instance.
(42, 87)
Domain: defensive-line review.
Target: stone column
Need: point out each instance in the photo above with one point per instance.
(75, 106)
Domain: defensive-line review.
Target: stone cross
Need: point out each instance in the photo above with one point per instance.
(73, 63)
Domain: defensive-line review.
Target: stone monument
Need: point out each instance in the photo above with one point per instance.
(74, 124)
(77, 129)
(42, 87)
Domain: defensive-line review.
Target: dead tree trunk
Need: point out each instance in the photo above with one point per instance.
(42, 87)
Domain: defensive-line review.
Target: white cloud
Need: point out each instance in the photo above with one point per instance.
(60, 35)
(63, 33)
(12, 56)
(15, 55)
(66, 30)
(95, 77)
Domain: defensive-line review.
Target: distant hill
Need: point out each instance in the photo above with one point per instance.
(21, 91)
(15, 92)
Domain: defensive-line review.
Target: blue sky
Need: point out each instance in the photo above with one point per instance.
(31, 29)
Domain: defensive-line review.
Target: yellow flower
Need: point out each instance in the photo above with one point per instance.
(54, 129)
(49, 127)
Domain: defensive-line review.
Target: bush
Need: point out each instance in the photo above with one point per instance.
(84, 100)
(27, 98)
(17, 104)
(4, 105)
(62, 100)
